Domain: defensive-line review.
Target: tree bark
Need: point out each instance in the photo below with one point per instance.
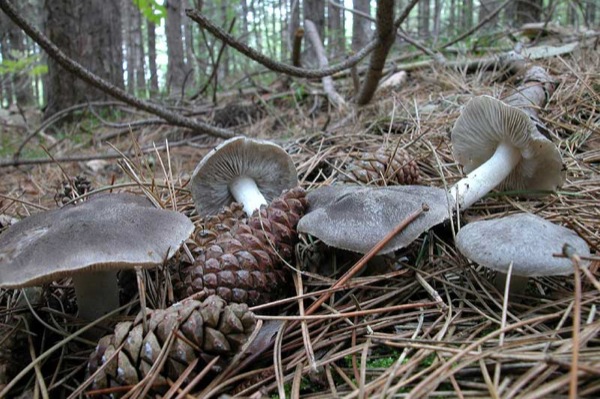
(361, 27)
(528, 11)
(467, 14)
(314, 10)
(386, 33)
(140, 55)
(151, 27)
(335, 31)
(190, 64)
(90, 34)
(424, 16)
(127, 17)
(176, 64)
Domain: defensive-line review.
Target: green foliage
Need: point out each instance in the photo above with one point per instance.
(19, 63)
(151, 10)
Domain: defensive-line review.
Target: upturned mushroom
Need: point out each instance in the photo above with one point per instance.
(90, 243)
(499, 145)
(356, 218)
(249, 171)
(525, 240)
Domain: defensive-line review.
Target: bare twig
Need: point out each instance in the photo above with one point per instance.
(81, 72)
(272, 64)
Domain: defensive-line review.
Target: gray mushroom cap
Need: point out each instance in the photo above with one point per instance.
(265, 162)
(113, 231)
(486, 122)
(356, 218)
(527, 240)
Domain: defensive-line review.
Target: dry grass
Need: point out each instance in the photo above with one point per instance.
(431, 325)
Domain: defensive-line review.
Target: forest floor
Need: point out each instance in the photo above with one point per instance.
(461, 339)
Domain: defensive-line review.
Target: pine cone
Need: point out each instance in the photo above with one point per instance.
(244, 263)
(198, 330)
(384, 167)
(71, 190)
(213, 225)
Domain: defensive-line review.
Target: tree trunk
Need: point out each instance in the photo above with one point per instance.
(127, 17)
(361, 27)
(151, 27)
(314, 10)
(294, 22)
(91, 35)
(190, 60)
(424, 11)
(140, 56)
(176, 65)
(337, 45)
(528, 11)
(467, 14)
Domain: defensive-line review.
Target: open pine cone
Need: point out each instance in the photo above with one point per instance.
(79, 186)
(244, 264)
(187, 331)
(391, 166)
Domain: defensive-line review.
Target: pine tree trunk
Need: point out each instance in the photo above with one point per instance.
(151, 27)
(127, 16)
(176, 65)
(89, 33)
(528, 11)
(467, 14)
(140, 56)
(190, 61)
(335, 31)
(314, 10)
(424, 16)
(361, 27)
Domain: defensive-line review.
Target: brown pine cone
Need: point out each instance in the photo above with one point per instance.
(79, 186)
(196, 330)
(245, 264)
(212, 226)
(384, 167)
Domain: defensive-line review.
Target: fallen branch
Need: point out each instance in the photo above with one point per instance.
(78, 70)
(311, 32)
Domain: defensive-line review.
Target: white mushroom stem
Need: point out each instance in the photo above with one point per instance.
(487, 176)
(97, 293)
(246, 192)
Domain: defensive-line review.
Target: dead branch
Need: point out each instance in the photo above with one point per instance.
(81, 72)
(275, 65)
(311, 32)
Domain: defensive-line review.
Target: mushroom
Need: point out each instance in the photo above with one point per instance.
(249, 171)
(497, 143)
(525, 240)
(356, 218)
(90, 242)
